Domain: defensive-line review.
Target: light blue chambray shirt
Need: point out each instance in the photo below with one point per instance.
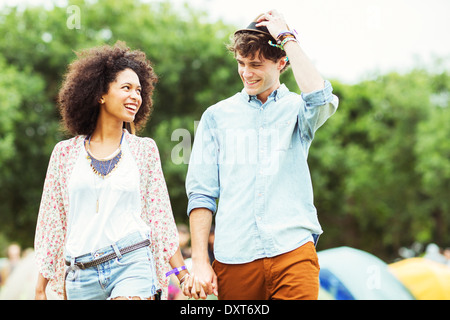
(252, 158)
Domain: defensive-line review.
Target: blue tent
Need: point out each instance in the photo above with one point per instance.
(351, 274)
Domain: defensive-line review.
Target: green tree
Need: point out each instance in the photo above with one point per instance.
(24, 147)
(370, 160)
(188, 54)
(380, 165)
(433, 162)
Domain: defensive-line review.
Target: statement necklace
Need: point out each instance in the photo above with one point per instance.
(104, 167)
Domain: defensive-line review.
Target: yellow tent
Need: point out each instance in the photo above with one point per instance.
(425, 279)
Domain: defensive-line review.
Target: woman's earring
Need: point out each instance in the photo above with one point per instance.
(102, 101)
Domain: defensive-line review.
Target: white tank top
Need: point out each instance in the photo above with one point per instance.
(119, 205)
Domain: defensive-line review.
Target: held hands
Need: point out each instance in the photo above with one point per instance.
(201, 282)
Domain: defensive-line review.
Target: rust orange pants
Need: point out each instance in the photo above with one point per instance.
(290, 276)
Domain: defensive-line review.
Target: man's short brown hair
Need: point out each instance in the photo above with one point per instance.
(249, 44)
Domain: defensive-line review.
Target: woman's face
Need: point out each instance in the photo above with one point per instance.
(123, 99)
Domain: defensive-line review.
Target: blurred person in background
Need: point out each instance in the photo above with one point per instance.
(434, 253)
(447, 256)
(250, 151)
(13, 254)
(105, 228)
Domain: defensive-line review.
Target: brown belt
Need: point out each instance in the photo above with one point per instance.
(113, 255)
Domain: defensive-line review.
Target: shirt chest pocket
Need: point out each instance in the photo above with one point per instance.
(282, 135)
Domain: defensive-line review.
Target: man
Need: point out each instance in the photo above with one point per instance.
(250, 151)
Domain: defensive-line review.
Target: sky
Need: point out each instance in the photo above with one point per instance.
(348, 40)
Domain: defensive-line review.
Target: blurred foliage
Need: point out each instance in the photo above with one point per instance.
(380, 165)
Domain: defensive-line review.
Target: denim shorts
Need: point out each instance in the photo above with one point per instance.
(130, 275)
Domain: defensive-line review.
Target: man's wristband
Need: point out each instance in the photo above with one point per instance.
(285, 34)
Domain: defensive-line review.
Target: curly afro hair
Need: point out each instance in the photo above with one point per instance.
(90, 76)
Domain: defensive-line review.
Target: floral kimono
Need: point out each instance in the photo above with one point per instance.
(51, 229)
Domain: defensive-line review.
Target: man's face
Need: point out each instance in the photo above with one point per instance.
(259, 76)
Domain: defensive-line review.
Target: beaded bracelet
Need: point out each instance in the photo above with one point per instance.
(182, 281)
(275, 45)
(284, 32)
(176, 271)
(283, 35)
(286, 40)
(282, 43)
(292, 33)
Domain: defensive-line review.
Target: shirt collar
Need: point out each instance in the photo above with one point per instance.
(276, 94)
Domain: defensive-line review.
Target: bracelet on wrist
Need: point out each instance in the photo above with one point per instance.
(182, 281)
(284, 31)
(284, 34)
(284, 37)
(281, 44)
(176, 271)
(286, 40)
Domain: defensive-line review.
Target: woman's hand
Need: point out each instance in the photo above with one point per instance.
(41, 285)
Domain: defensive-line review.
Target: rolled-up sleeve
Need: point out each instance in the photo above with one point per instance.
(319, 97)
(202, 180)
(319, 106)
(197, 200)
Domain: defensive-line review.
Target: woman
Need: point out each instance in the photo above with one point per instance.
(105, 222)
